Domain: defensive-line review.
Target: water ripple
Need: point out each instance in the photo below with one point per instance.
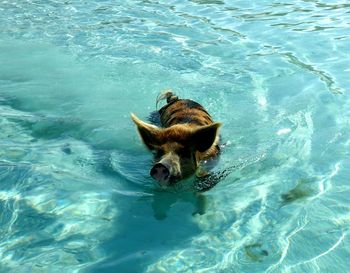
(75, 190)
(327, 79)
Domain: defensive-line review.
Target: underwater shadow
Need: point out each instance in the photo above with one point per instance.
(151, 223)
(145, 232)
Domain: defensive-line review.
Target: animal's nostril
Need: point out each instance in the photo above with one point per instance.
(153, 171)
(160, 172)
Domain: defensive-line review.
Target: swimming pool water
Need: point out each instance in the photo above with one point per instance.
(75, 193)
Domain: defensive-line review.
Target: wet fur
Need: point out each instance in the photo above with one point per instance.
(183, 115)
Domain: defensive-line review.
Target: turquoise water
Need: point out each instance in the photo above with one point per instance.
(75, 194)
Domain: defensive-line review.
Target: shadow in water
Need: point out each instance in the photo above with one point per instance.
(163, 201)
(147, 228)
(150, 223)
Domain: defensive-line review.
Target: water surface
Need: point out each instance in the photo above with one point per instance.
(75, 194)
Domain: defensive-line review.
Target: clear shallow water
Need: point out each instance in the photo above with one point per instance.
(75, 194)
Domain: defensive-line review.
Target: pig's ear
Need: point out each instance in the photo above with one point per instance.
(149, 133)
(203, 137)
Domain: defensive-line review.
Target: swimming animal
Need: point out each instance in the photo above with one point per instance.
(186, 137)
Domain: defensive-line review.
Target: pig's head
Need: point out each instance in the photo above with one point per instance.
(177, 149)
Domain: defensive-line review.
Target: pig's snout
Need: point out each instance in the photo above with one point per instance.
(161, 173)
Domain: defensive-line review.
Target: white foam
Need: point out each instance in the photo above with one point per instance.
(283, 131)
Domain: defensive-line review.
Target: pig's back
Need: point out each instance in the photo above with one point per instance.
(184, 111)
